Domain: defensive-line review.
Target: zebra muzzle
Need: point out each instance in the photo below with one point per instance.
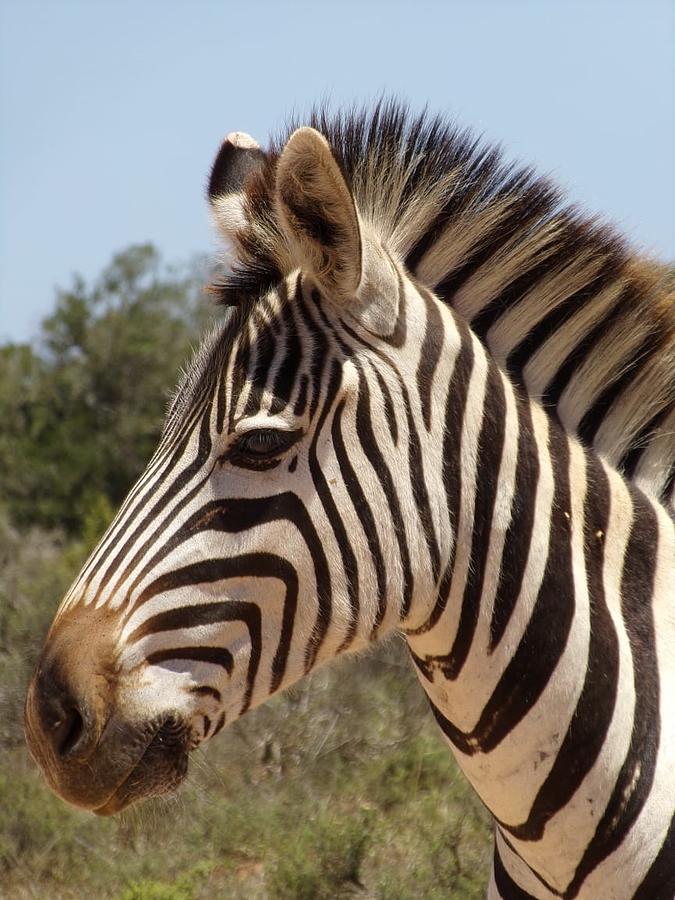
(95, 750)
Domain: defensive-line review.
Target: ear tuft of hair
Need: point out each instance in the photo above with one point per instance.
(238, 156)
(242, 140)
(238, 159)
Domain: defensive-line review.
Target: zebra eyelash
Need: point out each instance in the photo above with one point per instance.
(261, 448)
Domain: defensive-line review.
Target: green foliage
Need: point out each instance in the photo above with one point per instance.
(322, 859)
(38, 835)
(82, 414)
(183, 888)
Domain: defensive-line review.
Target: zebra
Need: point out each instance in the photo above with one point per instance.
(440, 402)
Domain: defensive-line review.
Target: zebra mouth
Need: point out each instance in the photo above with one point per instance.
(160, 770)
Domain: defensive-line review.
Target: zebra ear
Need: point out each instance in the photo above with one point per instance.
(238, 157)
(318, 214)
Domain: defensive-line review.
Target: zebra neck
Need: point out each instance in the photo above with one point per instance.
(521, 634)
(516, 503)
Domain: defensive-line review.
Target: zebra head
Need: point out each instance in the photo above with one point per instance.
(290, 512)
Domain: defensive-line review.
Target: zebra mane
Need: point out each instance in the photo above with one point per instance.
(497, 242)
(414, 175)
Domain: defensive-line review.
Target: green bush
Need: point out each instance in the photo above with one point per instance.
(183, 888)
(321, 859)
(82, 407)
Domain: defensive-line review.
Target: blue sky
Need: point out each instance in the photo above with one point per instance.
(110, 113)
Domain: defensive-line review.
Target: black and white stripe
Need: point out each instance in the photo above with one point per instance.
(343, 461)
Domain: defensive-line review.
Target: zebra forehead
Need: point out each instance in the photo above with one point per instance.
(201, 375)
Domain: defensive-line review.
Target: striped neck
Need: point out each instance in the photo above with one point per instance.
(524, 651)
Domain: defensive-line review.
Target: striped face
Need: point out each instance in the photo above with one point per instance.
(276, 526)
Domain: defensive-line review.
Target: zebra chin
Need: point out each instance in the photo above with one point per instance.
(160, 770)
(128, 762)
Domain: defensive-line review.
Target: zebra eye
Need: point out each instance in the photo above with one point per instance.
(264, 444)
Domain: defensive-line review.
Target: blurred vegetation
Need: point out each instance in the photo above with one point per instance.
(81, 412)
(341, 787)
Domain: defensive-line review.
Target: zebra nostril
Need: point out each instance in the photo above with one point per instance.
(67, 731)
